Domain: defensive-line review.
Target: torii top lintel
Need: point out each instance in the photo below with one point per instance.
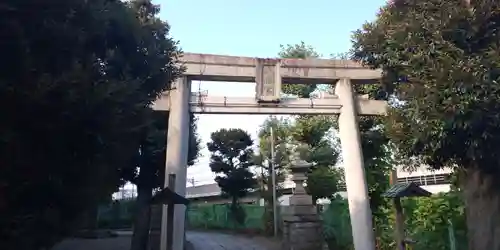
(208, 67)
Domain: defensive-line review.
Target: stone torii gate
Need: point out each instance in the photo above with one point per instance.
(269, 75)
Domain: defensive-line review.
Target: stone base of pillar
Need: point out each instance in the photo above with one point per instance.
(302, 228)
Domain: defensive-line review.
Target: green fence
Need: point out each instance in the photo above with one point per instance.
(436, 223)
(116, 215)
(219, 217)
(429, 233)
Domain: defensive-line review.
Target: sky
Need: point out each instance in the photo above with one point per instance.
(256, 28)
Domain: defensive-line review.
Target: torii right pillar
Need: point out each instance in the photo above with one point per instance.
(355, 179)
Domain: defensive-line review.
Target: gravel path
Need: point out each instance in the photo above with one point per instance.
(118, 243)
(199, 241)
(221, 241)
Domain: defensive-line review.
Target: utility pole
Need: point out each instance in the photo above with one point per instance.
(192, 181)
(273, 177)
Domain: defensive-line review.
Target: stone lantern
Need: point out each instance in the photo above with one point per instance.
(299, 169)
(302, 227)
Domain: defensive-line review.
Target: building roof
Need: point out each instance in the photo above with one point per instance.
(406, 190)
(203, 191)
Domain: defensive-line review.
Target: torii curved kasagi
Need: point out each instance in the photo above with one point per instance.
(269, 74)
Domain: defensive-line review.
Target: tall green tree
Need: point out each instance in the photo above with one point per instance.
(375, 145)
(324, 182)
(313, 128)
(281, 140)
(377, 161)
(376, 151)
(231, 157)
(148, 171)
(81, 76)
(300, 51)
(311, 132)
(444, 72)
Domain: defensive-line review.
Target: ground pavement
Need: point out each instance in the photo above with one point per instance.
(221, 241)
(198, 240)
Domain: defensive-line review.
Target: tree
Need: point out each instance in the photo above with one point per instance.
(314, 128)
(323, 182)
(318, 148)
(281, 153)
(262, 160)
(300, 51)
(443, 71)
(376, 151)
(378, 164)
(375, 146)
(311, 131)
(81, 76)
(148, 172)
(429, 218)
(231, 157)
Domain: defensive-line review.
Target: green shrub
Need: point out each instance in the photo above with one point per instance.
(427, 222)
(337, 225)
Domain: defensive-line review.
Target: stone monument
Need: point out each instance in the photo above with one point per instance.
(302, 227)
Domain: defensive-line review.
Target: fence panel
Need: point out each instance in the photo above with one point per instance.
(219, 217)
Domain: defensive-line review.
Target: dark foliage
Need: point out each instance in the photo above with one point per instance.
(443, 68)
(231, 157)
(76, 82)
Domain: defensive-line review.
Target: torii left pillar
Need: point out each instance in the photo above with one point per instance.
(176, 158)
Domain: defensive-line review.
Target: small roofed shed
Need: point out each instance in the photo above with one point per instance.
(167, 196)
(410, 189)
(396, 192)
(164, 197)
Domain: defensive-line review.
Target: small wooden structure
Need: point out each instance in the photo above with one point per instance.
(396, 192)
(167, 196)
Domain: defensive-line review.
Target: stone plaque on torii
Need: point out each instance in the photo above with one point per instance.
(269, 75)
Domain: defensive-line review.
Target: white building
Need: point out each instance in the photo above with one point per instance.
(434, 181)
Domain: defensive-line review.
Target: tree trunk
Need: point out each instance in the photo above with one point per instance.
(234, 202)
(90, 221)
(143, 210)
(142, 218)
(482, 200)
